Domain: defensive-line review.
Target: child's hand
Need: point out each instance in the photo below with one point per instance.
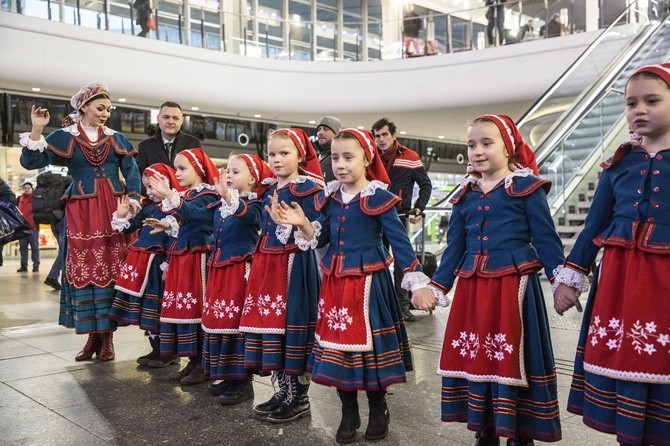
(161, 186)
(221, 187)
(156, 224)
(122, 206)
(423, 299)
(566, 297)
(283, 214)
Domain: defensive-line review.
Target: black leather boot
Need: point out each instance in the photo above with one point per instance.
(378, 423)
(351, 419)
(296, 401)
(487, 437)
(520, 441)
(155, 351)
(273, 403)
(237, 392)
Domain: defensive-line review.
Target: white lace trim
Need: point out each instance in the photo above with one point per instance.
(470, 179)
(283, 233)
(331, 187)
(174, 226)
(74, 130)
(570, 277)
(202, 186)
(305, 244)
(372, 187)
(269, 181)
(414, 280)
(25, 141)
(519, 172)
(120, 223)
(442, 297)
(167, 204)
(249, 195)
(229, 209)
(301, 179)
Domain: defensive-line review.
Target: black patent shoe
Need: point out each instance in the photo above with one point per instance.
(487, 439)
(269, 406)
(297, 408)
(237, 392)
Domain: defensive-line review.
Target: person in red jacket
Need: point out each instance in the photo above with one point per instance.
(25, 204)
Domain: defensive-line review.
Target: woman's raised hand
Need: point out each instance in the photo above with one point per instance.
(39, 117)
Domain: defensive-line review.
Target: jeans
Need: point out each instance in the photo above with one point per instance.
(58, 232)
(31, 240)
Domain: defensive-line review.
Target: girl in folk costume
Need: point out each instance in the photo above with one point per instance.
(94, 154)
(139, 287)
(621, 382)
(497, 362)
(361, 339)
(279, 314)
(236, 229)
(190, 217)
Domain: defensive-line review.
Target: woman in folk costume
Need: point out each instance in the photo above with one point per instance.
(361, 339)
(236, 229)
(497, 361)
(190, 217)
(139, 287)
(94, 154)
(279, 314)
(621, 382)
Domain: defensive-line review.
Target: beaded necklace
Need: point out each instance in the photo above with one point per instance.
(94, 154)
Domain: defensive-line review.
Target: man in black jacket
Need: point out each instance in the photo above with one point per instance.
(170, 140)
(328, 127)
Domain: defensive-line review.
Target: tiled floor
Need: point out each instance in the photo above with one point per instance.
(46, 398)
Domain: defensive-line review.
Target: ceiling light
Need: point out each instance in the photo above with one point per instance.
(122, 99)
(440, 137)
(36, 88)
(257, 115)
(195, 108)
(311, 122)
(361, 127)
(402, 132)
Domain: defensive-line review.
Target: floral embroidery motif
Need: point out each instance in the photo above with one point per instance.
(180, 300)
(496, 346)
(248, 303)
(129, 272)
(642, 335)
(338, 318)
(222, 309)
(321, 309)
(468, 343)
(266, 304)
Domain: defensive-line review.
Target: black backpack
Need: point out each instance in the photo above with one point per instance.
(47, 205)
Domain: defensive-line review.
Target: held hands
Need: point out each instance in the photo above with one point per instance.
(221, 187)
(416, 218)
(122, 206)
(423, 299)
(156, 224)
(566, 297)
(161, 186)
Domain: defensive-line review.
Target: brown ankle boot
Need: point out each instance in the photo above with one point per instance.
(93, 345)
(107, 349)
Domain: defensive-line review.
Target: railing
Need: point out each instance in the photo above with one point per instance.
(304, 35)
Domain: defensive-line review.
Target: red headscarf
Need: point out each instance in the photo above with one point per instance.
(310, 162)
(661, 70)
(376, 170)
(202, 164)
(159, 169)
(259, 170)
(514, 142)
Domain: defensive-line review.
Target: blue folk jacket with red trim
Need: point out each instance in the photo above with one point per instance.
(195, 216)
(236, 235)
(354, 231)
(508, 230)
(146, 241)
(633, 196)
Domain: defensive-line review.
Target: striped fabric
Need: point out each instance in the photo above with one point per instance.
(408, 164)
(223, 356)
(184, 340)
(390, 358)
(86, 309)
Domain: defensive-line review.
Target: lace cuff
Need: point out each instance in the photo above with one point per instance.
(229, 209)
(414, 280)
(174, 226)
(25, 141)
(570, 277)
(283, 233)
(119, 223)
(164, 266)
(442, 298)
(305, 244)
(172, 203)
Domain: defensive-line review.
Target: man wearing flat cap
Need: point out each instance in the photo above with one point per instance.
(328, 127)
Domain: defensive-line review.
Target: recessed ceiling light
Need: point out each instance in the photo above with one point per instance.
(122, 99)
(440, 137)
(312, 122)
(36, 88)
(257, 115)
(361, 127)
(195, 108)
(402, 132)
